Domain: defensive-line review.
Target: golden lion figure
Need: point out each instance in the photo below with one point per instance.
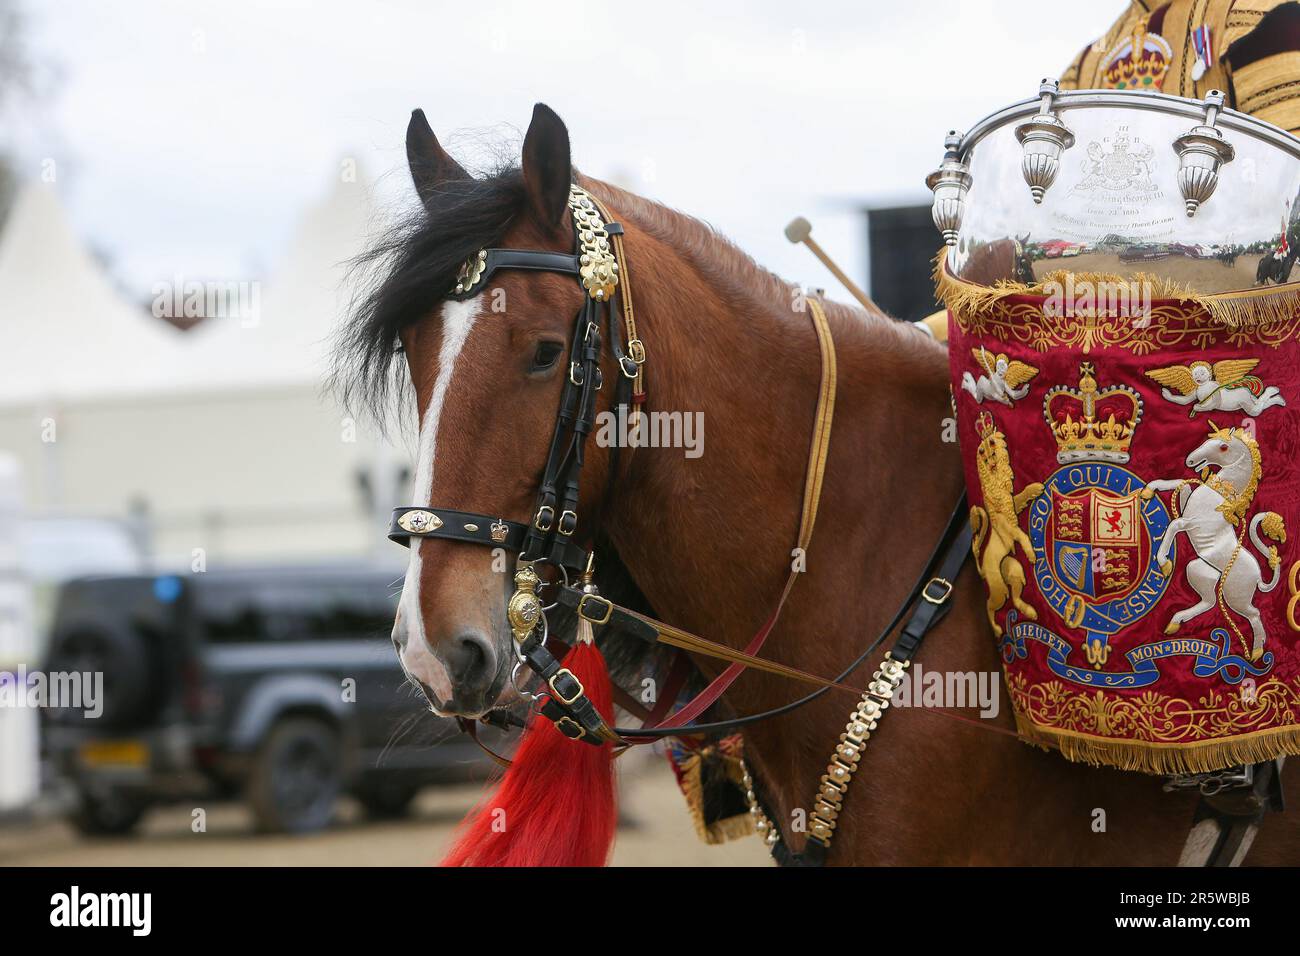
(995, 524)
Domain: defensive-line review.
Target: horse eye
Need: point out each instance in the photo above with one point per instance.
(546, 355)
(1223, 446)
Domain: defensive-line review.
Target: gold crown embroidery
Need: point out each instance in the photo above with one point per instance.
(1092, 423)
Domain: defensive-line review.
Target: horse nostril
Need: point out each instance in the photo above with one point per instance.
(470, 660)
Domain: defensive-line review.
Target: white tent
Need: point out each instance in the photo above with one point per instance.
(64, 331)
(286, 340)
(222, 436)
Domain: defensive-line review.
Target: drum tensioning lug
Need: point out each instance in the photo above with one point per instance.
(949, 183)
(1043, 139)
(1202, 150)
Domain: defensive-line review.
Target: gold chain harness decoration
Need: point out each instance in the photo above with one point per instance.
(843, 764)
(597, 265)
(599, 261)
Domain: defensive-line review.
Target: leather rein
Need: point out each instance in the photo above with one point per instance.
(549, 539)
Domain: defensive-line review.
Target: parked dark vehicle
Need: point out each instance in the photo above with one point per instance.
(1146, 252)
(277, 684)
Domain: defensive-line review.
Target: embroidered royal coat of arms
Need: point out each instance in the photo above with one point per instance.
(1135, 500)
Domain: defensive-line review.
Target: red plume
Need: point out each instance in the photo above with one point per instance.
(555, 806)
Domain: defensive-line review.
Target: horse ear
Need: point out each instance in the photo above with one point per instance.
(548, 170)
(431, 165)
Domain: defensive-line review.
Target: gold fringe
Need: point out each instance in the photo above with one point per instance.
(1243, 309)
(1147, 757)
(719, 831)
(732, 828)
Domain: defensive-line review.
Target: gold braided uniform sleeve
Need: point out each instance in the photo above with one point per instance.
(1262, 53)
(1243, 17)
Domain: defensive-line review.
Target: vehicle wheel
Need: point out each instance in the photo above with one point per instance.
(130, 688)
(296, 777)
(111, 814)
(387, 801)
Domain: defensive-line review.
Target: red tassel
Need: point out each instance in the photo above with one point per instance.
(555, 806)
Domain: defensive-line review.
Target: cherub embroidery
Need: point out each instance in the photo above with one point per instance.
(1006, 380)
(1227, 386)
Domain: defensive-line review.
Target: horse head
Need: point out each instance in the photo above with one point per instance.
(486, 372)
(1224, 449)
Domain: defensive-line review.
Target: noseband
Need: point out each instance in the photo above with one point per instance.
(549, 537)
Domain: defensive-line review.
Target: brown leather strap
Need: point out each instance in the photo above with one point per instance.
(629, 703)
(471, 727)
(817, 453)
(677, 674)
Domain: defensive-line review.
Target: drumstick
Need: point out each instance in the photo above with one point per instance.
(800, 230)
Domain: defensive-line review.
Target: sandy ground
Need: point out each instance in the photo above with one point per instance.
(657, 831)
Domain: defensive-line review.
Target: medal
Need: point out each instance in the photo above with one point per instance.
(1204, 52)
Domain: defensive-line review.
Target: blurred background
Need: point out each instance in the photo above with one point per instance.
(187, 511)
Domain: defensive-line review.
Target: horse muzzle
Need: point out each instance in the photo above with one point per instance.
(460, 676)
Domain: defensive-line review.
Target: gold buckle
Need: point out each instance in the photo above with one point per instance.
(544, 513)
(559, 725)
(569, 701)
(944, 583)
(609, 609)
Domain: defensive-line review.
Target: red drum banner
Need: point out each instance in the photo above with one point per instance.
(1134, 481)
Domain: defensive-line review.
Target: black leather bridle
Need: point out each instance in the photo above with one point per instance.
(549, 537)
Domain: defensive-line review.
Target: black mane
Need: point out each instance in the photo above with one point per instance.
(409, 271)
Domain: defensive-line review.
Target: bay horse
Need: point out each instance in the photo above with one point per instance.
(705, 541)
(1001, 259)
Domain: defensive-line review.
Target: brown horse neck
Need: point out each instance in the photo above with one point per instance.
(709, 539)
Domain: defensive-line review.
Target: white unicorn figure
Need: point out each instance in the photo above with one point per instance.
(1212, 513)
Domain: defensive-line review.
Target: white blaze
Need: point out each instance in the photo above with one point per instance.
(416, 656)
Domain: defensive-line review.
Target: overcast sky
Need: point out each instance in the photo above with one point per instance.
(189, 136)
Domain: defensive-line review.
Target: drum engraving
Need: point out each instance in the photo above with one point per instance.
(1120, 163)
